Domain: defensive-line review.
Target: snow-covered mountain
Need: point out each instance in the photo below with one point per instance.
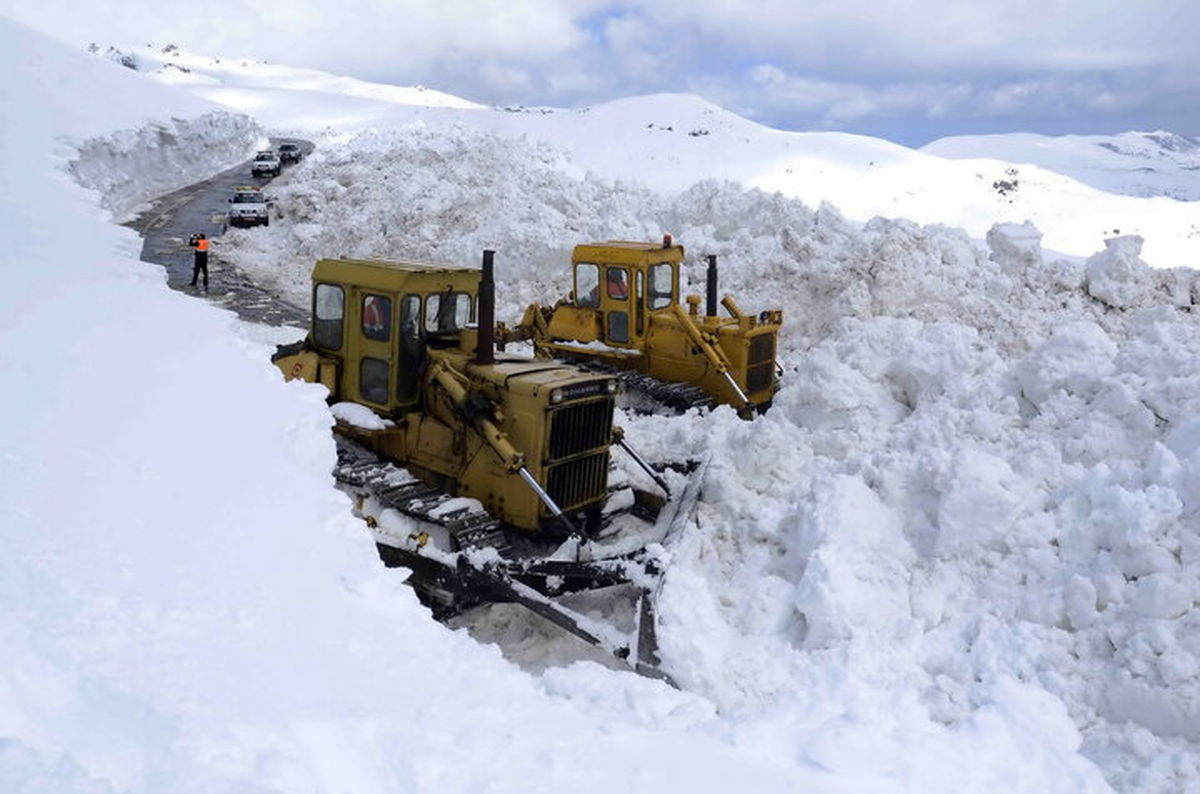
(669, 142)
(1132, 163)
(961, 552)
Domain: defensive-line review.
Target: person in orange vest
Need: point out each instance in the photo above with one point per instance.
(200, 243)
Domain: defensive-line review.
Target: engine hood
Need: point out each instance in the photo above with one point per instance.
(535, 378)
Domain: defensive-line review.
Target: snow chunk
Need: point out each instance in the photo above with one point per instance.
(842, 594)
(360, 416)
(130, 167)
(980, 504)
(1081, 601)
(1163, 595)
(1113, 274)
(1071, 360)
(1015, 246)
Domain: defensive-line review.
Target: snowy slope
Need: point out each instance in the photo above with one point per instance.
(669, 142)
(1132, 163)
(127, 139)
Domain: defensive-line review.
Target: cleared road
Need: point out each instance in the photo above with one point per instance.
(201, 208)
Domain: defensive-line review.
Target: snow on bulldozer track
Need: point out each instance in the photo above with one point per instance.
(976, 487)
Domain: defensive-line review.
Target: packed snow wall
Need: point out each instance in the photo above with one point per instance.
(131, 166)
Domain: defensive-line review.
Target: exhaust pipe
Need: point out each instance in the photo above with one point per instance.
(485, 348)
(710, 308)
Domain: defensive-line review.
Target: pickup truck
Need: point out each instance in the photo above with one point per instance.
(289, 153)
(265, 162)
(248, 207)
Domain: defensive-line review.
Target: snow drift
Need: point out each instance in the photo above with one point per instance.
(131, 166)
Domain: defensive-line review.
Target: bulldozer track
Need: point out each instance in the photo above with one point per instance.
(679, 397)
(507, 572)
(466, 520)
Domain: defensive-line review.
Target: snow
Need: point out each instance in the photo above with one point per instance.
(359, 416)
(131, 166)
(139, 142)
(968, 465)
(186, 603)
(1133, 163)
(668, 142)
(960, 552)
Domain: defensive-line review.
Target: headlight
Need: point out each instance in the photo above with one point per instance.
(611, 386)
(556, 396)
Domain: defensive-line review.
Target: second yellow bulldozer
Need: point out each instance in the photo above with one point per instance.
(625, 314)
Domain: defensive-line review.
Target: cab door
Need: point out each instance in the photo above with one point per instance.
(374, 313)
(616, 302)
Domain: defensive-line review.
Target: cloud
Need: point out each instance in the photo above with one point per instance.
(862, 65)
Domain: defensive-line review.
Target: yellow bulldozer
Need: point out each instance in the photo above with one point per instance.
(625, 315)
(500, 463)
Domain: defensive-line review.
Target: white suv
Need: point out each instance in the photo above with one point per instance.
(265, 162)
(248, 207)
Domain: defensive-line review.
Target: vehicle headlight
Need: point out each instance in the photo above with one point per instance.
(556, 396)
(611, 386)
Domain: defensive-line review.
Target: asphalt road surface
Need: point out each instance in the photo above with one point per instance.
(201, 208)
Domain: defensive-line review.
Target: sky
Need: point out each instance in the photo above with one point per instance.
(907, 70)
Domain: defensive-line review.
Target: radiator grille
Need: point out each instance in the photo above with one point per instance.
(759, 377)
(580, 428)
(576, 483)
(762, 349)
(760, 366)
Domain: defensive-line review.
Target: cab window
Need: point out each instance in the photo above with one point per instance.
(329, 307)
(410, 317)
(377, 317)
(373, 378)
(587, 285)
(617, 283)
(661, 278)
(412, 349)
(639, 309)
(618, 327)
(447, 312)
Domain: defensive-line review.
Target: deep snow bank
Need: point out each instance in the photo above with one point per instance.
(130, 138)
(132, 166)
(981, 470)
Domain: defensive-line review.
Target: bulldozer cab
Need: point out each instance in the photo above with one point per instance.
(622, 282)
(378, 319)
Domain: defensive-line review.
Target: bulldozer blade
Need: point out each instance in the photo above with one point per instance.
(457, 580)
(647, 661)
(682, 509)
